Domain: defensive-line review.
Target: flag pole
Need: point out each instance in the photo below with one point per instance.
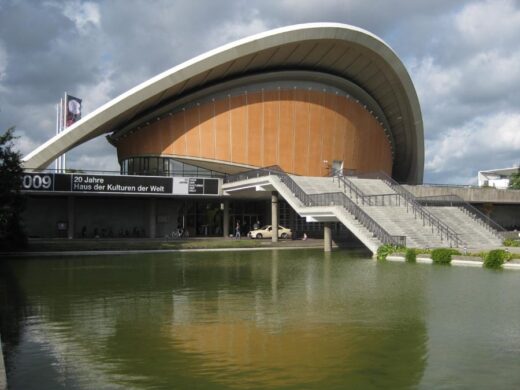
(65, 110)
(57, 161)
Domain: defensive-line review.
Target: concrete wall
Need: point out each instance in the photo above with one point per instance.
(508, 216)
(42, 215)
(107, 216)
(469, 194)
(118, 215)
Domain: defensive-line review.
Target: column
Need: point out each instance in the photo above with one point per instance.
(327, 237)
(152, 218)
(225, 219)
(70, 217)
(274, 215)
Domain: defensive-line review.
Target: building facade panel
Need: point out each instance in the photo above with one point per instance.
(222, 130)
(286, 133)
(207, 130)
(255, 122)
(301, 130)
(270, 128)
(238, 129)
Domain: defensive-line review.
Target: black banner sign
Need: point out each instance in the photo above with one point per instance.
(145, 185)
(121, 184)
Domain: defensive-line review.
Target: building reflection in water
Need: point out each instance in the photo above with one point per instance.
(318, 331)
(244, 319)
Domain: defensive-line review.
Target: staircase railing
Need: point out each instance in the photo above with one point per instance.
(371, 200)
(457, 201)
(353, 190)
(326, 199)
(444, 230)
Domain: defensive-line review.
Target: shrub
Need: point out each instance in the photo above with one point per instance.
(410, 255)
(387, 249)
(443, 255)
(495, 258)
(511, 242)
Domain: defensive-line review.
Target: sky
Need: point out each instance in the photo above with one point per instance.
(463, 57)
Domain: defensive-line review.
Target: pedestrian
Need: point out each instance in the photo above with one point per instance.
(237, 231)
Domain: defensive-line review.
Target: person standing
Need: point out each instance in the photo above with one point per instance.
(237, 231)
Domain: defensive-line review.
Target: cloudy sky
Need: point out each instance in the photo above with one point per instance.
(463, 56)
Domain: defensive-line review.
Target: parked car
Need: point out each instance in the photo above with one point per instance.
(267, 232)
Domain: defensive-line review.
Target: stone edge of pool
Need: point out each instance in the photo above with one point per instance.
(466, 261)
(144, 251)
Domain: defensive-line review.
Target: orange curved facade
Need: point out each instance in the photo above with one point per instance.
(297, 129)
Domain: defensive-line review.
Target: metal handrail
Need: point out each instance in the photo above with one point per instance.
(383, 200)
(327, 199)
(444, 230)
(352, 188)
(361, 197)
(457, 201)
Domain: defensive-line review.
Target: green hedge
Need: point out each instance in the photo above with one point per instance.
(410, 255)
(495, 258)
(511, 242)
(387, 249)
(443, 255)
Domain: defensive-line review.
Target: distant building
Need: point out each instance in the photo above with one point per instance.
(498, 178)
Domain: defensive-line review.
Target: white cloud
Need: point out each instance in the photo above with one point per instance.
(84, 14)
(433, 81)
(94, 96)
(483, 143)
(489, 23)
(3, 61)
(236, 29)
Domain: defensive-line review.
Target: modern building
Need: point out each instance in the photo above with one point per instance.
(498, 178)
(309, 98)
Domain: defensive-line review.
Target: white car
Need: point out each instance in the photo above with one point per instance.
(267, 232)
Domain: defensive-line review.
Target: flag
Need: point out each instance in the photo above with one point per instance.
(73, 107)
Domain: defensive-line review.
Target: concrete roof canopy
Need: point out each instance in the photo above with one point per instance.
(340, 50)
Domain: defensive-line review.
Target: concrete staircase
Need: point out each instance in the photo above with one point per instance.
(401, 216)
(372, 186)
(325, 212)
(399, 220)
(472, 231)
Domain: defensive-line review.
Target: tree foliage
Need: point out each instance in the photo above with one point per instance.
(12, 235)
(514, 181)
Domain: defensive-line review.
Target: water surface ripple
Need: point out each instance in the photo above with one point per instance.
(297, 319)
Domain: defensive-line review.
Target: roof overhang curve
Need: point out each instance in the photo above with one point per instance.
(338, 49)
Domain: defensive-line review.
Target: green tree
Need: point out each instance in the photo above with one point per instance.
(12, 234)
(514, 181)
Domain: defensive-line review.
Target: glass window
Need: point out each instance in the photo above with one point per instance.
(152, 165)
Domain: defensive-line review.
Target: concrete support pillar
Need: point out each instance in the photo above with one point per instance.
(327, 237)
(70, 217)
(274, 215)
(225, 219)
(152, 218)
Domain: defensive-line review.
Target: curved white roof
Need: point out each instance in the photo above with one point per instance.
(337, 49)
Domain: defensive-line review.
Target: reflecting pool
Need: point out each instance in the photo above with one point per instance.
(286, 319)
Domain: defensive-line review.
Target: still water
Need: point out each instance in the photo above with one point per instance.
(296, 319)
